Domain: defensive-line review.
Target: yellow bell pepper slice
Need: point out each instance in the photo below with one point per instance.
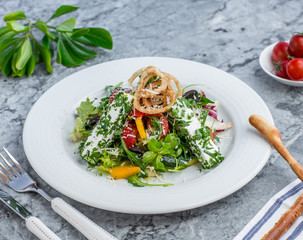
(123, 171)
(140, 127)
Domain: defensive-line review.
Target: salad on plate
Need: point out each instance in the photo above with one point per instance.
(138, 133)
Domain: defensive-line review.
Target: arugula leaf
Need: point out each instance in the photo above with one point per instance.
(133, 156)
(157, 128)
(110, 88)
(134, 180)
(203, 101)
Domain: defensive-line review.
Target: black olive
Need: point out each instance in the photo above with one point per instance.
(193, 94)
(91, 121)
(137, 150)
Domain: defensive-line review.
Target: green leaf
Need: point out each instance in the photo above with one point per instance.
(67, 26)
(9, 34)
(96, 37)
(6, 61)
(134, 157)
(24, 54)
(16, 27)
(64, 9)
(85, 109)
(79, 32)
(158, 165)
(14, 60)
(173, 139)
(4, 30)
(149, 156)
(15, 16)
(79, 50)
(31, 65)
(47, 42)
(45, 54)
(66, 56)
(20, 73)
(42, 26)
(154, 145)
(134, 180)
(167, 149)
(6, 43)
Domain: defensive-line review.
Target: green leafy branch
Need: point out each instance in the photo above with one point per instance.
(20, 51)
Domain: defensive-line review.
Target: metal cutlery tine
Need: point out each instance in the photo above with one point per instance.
(23, 182)
(4, 178)
(9, 165)
(13, 160)
(6, 171)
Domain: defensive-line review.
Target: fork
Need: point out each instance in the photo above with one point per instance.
(20, 181)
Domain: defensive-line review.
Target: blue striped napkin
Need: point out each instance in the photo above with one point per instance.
(271, 213)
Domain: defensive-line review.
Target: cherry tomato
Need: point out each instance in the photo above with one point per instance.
(129, 134)
(280, 52)
(296, 45)
(280, 69)
(294, 69)
(137, 113)
(163, 121)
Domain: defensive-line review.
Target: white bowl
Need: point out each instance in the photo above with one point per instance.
(268, 67)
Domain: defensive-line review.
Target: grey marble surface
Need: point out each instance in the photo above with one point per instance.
(227, 34)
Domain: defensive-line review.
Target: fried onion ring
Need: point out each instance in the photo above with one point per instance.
(155, 91)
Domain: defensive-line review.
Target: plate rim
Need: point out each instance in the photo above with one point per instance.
(197, 204)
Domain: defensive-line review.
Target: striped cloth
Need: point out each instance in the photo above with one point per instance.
(271, 213)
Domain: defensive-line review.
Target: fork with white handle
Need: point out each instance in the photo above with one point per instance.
(19, 180)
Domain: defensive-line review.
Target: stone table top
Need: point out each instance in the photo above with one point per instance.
(228, 35)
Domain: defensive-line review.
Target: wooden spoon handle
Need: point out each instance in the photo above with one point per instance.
(274, 137)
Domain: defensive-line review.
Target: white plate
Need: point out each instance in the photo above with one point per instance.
(268, 67)
(52, 154)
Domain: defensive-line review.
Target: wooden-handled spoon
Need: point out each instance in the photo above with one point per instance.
(274, 137)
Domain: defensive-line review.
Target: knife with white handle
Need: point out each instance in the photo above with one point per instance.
(86, 226)
(33, 224)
